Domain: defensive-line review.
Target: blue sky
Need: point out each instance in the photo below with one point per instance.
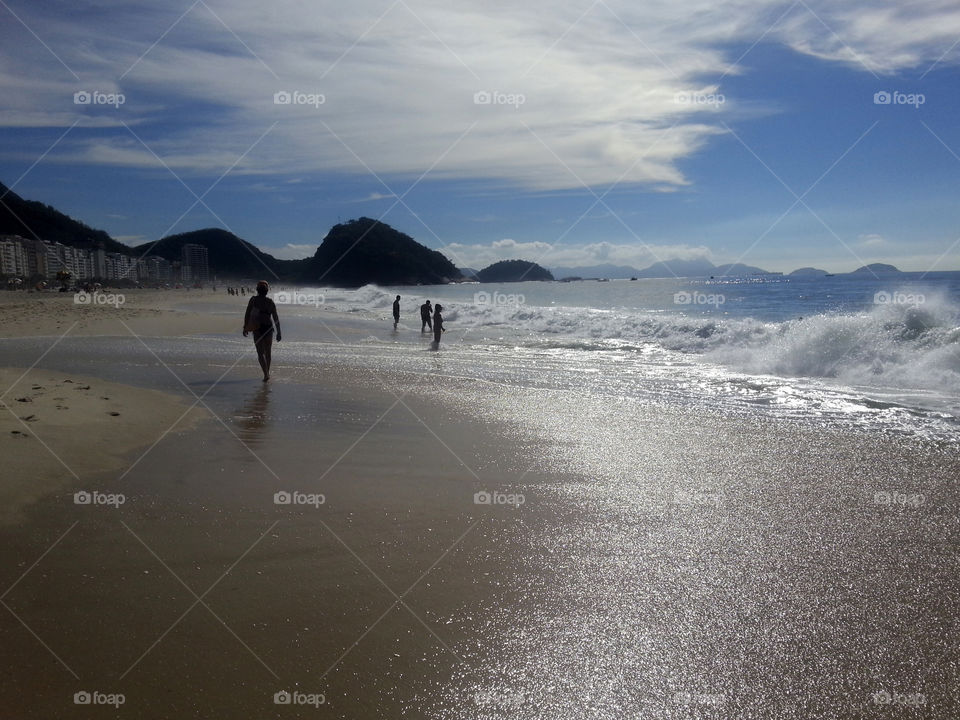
(620, 134)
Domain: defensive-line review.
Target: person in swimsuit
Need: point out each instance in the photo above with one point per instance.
(437, 325)
(261, 319)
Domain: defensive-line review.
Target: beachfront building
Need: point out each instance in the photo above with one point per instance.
(195, 267)
(22, 257)
(154, 269)
(13, 257)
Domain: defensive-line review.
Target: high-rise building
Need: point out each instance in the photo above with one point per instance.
(195, 267)
(13, 256)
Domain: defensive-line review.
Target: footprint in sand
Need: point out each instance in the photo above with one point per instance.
(17, 433)
(25, 399)
(82, 387)
(30, 418)
(114, 414)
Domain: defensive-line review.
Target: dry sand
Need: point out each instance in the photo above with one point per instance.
(114, 312)
(58, 430)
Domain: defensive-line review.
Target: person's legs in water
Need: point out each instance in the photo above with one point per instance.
(264, 344)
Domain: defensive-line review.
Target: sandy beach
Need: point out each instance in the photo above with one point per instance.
(426, 544)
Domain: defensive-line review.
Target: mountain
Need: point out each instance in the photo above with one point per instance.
(875, 268)
(468, 272)
(34, 220)
(698, 267)
(809, 271)
(513, 271)
(228, 255)
(614, 272)
(365, 251)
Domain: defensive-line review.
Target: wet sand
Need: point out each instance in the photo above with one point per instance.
(663, 563)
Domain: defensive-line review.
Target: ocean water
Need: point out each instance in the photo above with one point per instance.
(881, 353)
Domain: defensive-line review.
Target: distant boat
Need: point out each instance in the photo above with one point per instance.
(632, 279)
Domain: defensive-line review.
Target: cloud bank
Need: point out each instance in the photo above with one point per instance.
(540, 96)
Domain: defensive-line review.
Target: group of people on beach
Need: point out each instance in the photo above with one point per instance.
(435, 322)
(262, 320)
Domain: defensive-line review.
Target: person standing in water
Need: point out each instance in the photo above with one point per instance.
(437, 325)
(425, 311)
(261, 319)
(396, 312)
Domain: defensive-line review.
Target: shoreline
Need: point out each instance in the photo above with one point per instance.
(662, 562)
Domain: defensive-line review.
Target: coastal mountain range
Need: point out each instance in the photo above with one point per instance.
(354, 253)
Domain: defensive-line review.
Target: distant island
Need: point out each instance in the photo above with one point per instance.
(513, 271)
(809, 271)
(875, 268)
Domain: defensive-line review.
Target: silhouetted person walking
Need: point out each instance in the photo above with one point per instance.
(437, 325)
(425, 311)
(396, 312)
(260, 319)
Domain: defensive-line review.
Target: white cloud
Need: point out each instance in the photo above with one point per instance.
(479, 256)
(871, 240)
(291, 251)
(599, 89)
